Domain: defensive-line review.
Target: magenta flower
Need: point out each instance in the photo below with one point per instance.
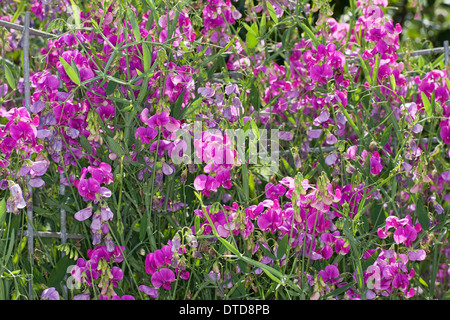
(83, 214)
(320, 73)
(200, 182)
(50, 294)
(330, 274)
(146, 134)
(117, 274)
(351, 152)
(445, 134)
(88, 188)
(163, 278)
(82, 296)
(375, 163)
(124, 297)
(270, 220)
(102, 173)
(418, 255)
(152, 292)
(22, 131)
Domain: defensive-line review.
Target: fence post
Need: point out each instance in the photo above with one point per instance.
(26, 80)
(62, 191)
(446, 49)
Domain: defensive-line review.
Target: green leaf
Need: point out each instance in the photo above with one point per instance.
(422, 214)
(339, 290)
(377, 214)
(272, 12)
(111, 87)
(134, 25)
(9, 77)
(143, 227)
(154, 13)
(177, 107)
(282, 247)
(349, 119)
(59, 271)
(393, 82)
(70, 72)
(197, 224)
(262, 25)
(114, 146)
(254, 97)
(76, 14)
(267, 252)
(426, 104)
(86, 144)
(365, 68)
(386, 135)
(187, 111)
(2, 211)
(18, 11)
(147, 57)
(252, 35)
(375, 70)
(310, 34)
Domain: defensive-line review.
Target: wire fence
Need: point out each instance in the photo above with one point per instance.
(63, 235)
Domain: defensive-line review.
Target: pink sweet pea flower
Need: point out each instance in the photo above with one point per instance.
(163, 278)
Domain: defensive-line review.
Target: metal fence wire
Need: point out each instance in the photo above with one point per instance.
(63, 235)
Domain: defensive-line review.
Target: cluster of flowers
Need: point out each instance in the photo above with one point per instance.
(168, 264)
(310, 89)
(18, 143)
(98, 270)
(93, 193)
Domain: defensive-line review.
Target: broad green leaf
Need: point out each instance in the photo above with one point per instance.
(386, 135)
(76, 14)
(252, 35)
(375, 70)
(114, 146)
(377, 214)
(254, 97)
(197, 224)
(86, 144)
(393, 82)
(134, 25)
(9, 77)
(143, 227)
(59, 271)
(251, 40)
(2, 211)
(365, 68)
(70, 72)
(422, 214)
(272, 12)
(281, 251)
(426, 104)
(262, 25)
(147, 57)
(187, 111)
(154, 13)
(177, 107)
(267, 252)
(110, 87)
